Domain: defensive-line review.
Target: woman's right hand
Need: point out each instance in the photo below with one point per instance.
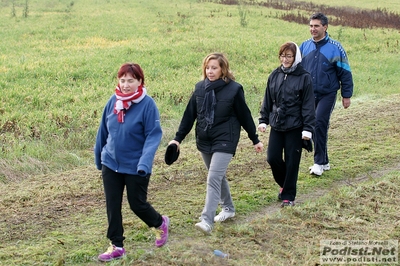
(174, 142)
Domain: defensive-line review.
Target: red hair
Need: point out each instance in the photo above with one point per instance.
(131, 68)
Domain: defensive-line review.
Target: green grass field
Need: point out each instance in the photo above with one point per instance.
(57, 70)
(58, 66)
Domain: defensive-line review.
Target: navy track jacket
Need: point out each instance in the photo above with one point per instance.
(328, 64)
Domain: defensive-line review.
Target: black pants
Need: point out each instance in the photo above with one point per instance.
(283, 155)
(136, 188)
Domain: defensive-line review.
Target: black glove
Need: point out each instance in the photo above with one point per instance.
(307, 145)
(171, 154)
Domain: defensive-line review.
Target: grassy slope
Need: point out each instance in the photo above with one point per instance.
(55, 218)
(59, 218)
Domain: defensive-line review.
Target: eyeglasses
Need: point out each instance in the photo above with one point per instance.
(287, 56)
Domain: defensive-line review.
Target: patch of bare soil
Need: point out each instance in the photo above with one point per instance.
(43, 203)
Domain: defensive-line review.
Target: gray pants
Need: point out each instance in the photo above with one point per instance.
(217, 185)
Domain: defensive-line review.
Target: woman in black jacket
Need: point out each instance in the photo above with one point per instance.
(288, 107)
(219, 108)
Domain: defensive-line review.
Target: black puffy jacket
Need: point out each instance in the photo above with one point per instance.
(289, 101)
(231, 112)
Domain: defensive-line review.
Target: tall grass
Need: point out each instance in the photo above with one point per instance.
(58, 65)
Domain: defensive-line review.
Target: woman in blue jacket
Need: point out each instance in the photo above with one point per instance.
(126, 143)
(288, 107)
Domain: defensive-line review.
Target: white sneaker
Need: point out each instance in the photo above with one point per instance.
(204, 227)
(223, 215)
(316, 169)
(326, 167)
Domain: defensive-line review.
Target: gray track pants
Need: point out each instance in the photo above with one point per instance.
(217, 185)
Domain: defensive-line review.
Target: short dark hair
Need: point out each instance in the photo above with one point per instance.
(132, 68)
(321, 17)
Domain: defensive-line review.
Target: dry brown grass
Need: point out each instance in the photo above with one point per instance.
(345, 16)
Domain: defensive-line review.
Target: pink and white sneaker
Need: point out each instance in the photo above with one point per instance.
(162, 232)
(112, 253)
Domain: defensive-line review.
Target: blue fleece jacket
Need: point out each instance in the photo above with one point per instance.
(129, 147)
(328, 65)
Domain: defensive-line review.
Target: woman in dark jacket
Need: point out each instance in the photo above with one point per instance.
(218, 106)
(288, 107)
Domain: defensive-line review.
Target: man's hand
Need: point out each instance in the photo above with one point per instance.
(346, 102)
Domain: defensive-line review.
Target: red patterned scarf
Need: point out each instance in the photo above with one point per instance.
(124, 101)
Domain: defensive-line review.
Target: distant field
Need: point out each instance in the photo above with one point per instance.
(392, 5)
(58, 65)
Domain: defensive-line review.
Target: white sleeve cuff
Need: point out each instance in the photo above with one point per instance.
(307, 134)
(262, 125)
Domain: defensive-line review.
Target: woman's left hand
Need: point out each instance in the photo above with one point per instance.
(259, 147)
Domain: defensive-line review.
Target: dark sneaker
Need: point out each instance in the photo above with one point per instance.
(280, 193)
(287, 203)
(112, 253)
(162, 232)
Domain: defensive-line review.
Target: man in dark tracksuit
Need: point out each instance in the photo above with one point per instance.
(328, 64)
